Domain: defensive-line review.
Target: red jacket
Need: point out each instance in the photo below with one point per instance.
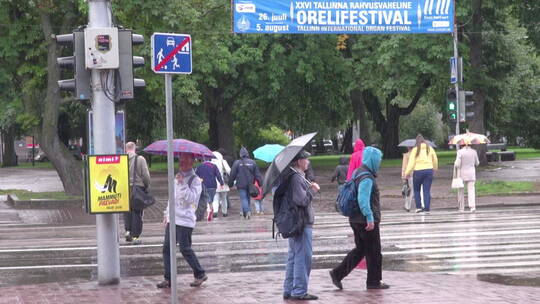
(356, 157)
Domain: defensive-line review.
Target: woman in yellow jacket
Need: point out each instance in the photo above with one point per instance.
(423, 161)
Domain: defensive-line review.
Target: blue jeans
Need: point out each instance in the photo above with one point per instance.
(183, 238)
(245, 200)
(422, 178)
(259, 205)
(298, 264)
(211, 194)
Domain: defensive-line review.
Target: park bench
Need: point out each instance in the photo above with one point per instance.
(502, 155)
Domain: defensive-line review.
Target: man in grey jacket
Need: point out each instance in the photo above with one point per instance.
(133, 220)
(187, 190)
(300, 192)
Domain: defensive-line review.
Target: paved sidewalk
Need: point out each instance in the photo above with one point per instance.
(265, 287)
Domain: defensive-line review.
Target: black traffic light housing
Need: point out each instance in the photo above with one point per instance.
(466, 111)
(80, 83)
(127, 62)
(451, 105)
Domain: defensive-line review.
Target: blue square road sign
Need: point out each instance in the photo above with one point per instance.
(171, 53)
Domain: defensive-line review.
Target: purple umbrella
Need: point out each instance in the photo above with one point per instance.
(180, 146)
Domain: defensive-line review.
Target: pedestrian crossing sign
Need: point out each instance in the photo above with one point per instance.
(171, 53)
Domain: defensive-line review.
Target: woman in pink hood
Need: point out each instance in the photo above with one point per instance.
(356, 157)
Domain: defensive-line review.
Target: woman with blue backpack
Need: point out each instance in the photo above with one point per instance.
(365, 224)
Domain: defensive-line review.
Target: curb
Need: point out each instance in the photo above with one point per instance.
(535, 193)
(14, 201)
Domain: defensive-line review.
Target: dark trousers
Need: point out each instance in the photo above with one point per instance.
(183, 238)
(133, 222)
(422, 179)
(368, 245)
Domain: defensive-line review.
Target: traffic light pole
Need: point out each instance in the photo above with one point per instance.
(456, 55)
(108, 254)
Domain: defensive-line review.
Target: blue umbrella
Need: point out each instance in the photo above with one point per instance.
(267, 152)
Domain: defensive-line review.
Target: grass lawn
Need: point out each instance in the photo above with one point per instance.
(28, 195)
(501, 187)
(325, 162)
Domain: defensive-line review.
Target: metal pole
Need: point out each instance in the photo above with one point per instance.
(170, 175)
(108, 254)
(456, 55)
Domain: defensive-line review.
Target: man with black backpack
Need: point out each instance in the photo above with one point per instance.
(365, 225)
(187, 191)
(295, 219)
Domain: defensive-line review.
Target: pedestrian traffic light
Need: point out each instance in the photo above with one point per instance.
(466, 111)
(451, 105)
(127, 62)
(80, 83)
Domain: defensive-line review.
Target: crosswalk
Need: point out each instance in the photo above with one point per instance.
(490, 241)
(493, 240)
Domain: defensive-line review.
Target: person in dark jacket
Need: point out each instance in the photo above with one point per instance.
(365, 226)
(244, 172)
(300, 192)
(133, 220)
(209, 172)
(340, 173)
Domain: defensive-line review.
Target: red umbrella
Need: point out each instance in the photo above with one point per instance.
(180, 146)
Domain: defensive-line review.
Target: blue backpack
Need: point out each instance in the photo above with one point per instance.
(347, 200)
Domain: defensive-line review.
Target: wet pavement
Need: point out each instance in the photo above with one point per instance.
(265, 287)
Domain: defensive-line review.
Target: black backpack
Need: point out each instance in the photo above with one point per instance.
(203, 200)
(288, 217)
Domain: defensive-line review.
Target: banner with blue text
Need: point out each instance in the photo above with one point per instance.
(337, 17)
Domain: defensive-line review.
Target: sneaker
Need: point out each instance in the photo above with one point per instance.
(473, 210)
(198, 282)
(408, 210)
(306, 297)
(381, 285)
(136, 241)
(248, 215)
(418, 210)
(426, 211)
(335, 281)
(164, 284)
(129, 238)
(224, 214)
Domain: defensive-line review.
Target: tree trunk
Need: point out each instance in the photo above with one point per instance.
(68, 168)
(346, 146)
(477, 124)
(9, 157)
(220, 117)
(391, 133)
(359, 110)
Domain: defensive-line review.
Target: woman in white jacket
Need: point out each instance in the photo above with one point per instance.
(466, 161)
(220, 199)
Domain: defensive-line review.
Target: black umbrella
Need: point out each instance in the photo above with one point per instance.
(283, 159)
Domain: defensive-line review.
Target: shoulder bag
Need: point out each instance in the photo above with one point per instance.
(457, 182)
(140, 197)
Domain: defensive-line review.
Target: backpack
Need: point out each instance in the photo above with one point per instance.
(288, 217)
(347, 200)
(203, 200)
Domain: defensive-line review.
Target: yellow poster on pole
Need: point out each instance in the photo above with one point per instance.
(108, 183)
